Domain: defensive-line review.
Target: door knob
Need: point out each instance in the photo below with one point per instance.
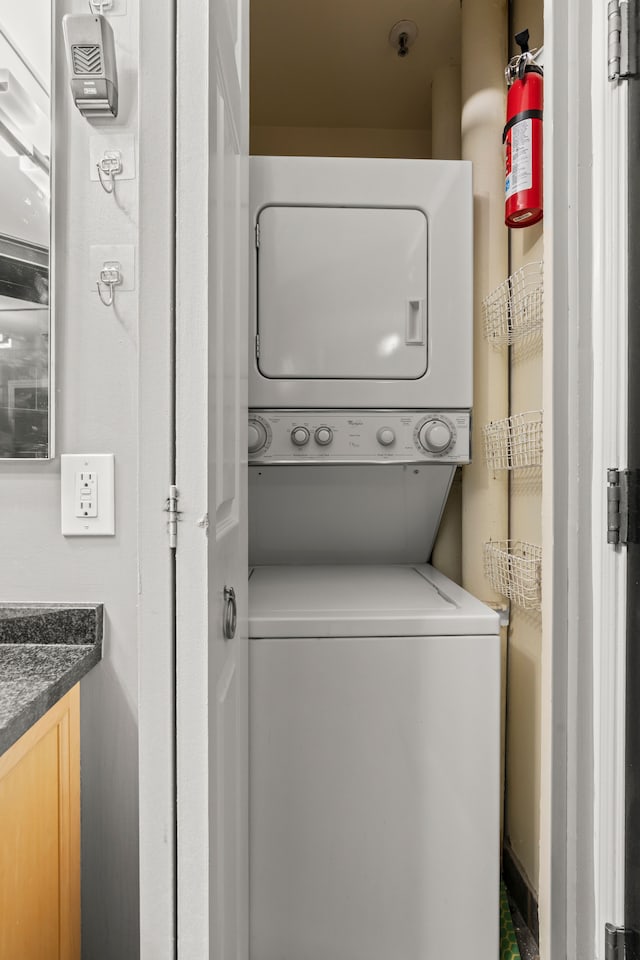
(230, 617)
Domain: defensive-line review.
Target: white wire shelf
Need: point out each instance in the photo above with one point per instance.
(513, 568)
(513, 312)
(515, 442)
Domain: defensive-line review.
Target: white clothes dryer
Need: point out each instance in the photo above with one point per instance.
(374, 765)
(361, 284)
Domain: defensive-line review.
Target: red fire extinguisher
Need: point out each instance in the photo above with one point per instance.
(523, 138)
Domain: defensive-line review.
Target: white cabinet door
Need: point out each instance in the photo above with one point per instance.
(211, 416)
(363, 777)
(342, 293)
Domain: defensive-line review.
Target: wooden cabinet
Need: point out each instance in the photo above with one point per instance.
(40, 838)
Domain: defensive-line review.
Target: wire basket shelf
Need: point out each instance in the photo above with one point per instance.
(513, 568)
(515, 442)
(513, 312)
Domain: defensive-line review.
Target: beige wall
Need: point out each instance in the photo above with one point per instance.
(339, 142)
(525, 634)
(522, 827)
(522, 759)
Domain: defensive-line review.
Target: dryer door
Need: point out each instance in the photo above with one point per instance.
(342, 293)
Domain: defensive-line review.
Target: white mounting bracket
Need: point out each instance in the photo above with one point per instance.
(115, 8)
(110, 276)
(111, 167)
(105, 150)
(112, 265)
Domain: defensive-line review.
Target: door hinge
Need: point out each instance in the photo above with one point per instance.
(173, 515)
(258, 346)
(622, 57)
(618, 943)
(623, 501)
(257, 234)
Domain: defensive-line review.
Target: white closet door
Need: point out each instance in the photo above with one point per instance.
(211, 417)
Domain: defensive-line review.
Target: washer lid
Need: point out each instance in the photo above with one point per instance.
(362, 601)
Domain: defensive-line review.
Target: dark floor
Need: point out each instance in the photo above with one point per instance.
(526, 944)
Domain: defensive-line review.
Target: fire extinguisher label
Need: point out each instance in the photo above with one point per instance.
(519, 167)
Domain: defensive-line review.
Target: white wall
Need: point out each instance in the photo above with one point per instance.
(566, 878)
(103, 357)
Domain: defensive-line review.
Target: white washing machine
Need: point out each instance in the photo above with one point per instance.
(375, 690)
(350, 486)
(374, 765)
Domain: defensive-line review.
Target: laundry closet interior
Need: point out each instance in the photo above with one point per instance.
(395, 423)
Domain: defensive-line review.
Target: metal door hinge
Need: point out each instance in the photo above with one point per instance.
(623, 501)
(622, 57)
(257, 234)
(258, 346)
(618, 943)
(173, 515)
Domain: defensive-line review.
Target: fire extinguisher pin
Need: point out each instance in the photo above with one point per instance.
(517, 66)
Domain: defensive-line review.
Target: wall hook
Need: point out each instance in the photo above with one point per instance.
(402, 36)
(99, 6)
(110, 166)
(110, 276)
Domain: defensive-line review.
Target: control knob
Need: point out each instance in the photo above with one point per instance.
(324, 436)
(300, 436)
(257, 436)
(385, 436)
(436, 436)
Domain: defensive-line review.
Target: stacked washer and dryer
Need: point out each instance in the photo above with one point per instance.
(374, 679)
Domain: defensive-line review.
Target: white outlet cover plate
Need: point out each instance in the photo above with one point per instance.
(102, 464)
(99, 144)
(124, 253)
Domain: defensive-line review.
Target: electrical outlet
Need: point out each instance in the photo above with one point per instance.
(87, 494)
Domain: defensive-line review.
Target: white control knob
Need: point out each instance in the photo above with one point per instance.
(324, 435)
(385, 436)
(436, 436)
(257, 436)
(300, 436)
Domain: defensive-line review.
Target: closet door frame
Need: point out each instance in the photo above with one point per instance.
(581, 884)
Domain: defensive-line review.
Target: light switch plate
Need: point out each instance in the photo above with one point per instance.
(87, 494)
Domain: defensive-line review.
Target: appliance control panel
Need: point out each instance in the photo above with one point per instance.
(357, 436)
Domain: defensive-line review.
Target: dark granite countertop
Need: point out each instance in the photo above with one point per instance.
(45, 649)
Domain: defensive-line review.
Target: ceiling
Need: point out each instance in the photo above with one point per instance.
(329, 63)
